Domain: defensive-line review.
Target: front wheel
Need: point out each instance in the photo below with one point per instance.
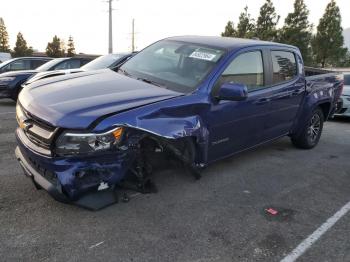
(311, 131)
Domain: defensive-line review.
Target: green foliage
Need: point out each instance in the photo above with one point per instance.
(328, 43)
(55, 48)
(21, 48)
(344, 61)
(230, 30)
(297, 30)
(4, 37)
(267, 21)
(246, 26)
(71, 48)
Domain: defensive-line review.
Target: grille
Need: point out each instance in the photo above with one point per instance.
(37, 131)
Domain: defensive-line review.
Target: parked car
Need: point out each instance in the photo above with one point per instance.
(344, 101)
(4, 56)
(102, 62)
(195, 99)
(23, 63)
(11, 82)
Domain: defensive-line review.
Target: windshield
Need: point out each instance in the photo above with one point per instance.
(104, 61)
(347, 79)
(47, 66)
(176, 65)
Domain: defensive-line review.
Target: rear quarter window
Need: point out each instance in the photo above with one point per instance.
(284, 66)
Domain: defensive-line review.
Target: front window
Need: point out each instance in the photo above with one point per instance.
(176, 65)
(246, 69)
(19, 65)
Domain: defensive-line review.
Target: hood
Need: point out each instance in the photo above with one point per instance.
(76, 100)
(46, 74)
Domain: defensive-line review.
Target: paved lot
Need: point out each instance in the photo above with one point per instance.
(218, 218)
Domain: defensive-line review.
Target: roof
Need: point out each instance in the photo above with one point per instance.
(33, 57)
(228, 43)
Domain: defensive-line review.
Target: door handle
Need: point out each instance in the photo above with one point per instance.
(296, 92)
(263, 100)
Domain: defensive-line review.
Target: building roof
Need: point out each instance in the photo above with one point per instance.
(228, 43)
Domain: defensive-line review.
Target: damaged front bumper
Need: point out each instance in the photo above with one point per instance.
(89, 181)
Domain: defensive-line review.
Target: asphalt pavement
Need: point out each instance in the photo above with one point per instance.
(221, 217)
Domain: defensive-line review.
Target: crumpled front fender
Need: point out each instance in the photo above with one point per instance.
(178, 118)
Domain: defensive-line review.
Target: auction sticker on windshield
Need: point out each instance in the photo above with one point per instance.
(203, 55)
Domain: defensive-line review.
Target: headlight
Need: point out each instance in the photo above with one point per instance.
(71, 143)
(7, 79)
(20, 116)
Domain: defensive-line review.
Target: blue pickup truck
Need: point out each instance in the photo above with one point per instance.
(194, 99)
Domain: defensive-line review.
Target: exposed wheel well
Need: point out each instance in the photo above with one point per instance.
(325, 107)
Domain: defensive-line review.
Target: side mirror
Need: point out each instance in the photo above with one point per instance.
(233, 92)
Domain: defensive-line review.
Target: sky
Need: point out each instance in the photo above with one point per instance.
(87, 20)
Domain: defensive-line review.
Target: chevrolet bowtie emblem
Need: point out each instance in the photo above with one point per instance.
(25, 125)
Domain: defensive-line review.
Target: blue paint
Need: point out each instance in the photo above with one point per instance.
(98, 100)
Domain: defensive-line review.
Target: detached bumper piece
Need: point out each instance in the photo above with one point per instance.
(91, 200)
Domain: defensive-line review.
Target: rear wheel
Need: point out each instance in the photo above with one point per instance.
(311, 131)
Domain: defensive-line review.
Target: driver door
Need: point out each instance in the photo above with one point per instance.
(238, 125)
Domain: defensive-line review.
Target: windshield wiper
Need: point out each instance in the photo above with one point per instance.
(146, 80)
(124, 72)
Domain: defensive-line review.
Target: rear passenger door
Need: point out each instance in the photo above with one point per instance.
(286, 91)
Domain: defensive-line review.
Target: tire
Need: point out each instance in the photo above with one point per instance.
(311, 131)
(14, 97)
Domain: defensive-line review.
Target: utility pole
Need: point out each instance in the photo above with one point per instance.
(133, 36)
(110, 35)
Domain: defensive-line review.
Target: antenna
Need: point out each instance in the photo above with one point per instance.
(110, 31)
(133, 36)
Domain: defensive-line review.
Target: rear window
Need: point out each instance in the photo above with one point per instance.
(284, 66)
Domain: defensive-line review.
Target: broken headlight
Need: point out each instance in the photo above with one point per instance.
(71, 143)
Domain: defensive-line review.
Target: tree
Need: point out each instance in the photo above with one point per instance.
(21, 48)
(4, 37)
(344, 61)
(71, 48)
(245, 27)
(328, 43)
(230, 30)
(267, 21)
(55, 48)
(297, 30)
